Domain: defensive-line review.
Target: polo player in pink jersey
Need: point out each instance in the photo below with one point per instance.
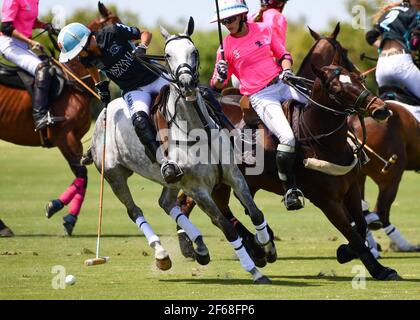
(250, 49)
(19, 18)
(271, 13)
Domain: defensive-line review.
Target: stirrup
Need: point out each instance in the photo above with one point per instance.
(299, 204)
(178, 173)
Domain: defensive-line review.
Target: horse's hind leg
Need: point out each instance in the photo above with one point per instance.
(338, 216)
(236, 180)
(167, 202)
(74, 195)
(117, 178)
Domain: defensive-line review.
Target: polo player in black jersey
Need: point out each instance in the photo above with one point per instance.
(398, 26)
(112, 51)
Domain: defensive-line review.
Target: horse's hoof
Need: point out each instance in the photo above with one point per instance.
(263, 280)
(375, 225)
(260, 263)
(388, 274)
(202, 259)
(53, 207)
(164, 264)
(412, 248)
(185, 244)
(69, 224)
(6, 233)
(271, 255)
(345, 254)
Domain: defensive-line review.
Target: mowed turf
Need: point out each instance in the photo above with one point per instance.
(306, 267)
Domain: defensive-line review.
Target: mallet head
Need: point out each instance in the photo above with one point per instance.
(96, 261)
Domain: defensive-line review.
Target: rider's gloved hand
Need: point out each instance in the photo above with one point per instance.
(103, 91)
(140, 51)
(285, 74)
(222, 70)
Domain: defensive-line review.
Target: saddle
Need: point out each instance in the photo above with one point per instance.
(18, 78)
(398, 94)
(157, 117)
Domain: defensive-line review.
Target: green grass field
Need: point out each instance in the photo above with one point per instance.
(306, 267)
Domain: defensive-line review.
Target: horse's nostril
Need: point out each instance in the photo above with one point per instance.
(382, 115)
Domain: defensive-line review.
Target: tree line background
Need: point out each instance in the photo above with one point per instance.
(299, 41)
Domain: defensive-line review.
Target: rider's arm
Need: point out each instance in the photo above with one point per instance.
(8, 29)
(372, 37)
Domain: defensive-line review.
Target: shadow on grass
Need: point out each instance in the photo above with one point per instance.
(230, 282)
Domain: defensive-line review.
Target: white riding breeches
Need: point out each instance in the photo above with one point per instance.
(141, 98)
(267, 104)
(399, 70)
(18, 52)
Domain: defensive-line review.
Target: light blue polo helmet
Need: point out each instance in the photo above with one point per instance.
(71, 40)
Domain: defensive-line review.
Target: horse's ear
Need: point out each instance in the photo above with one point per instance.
(336, 59)
(103, 10)
(164, 33)
(314, 34)
(190, 27)
(318, 72)
(336, 31)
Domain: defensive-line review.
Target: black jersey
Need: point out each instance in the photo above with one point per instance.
(117, 59)
(395, 24)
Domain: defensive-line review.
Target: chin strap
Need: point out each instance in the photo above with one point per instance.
(241, 24)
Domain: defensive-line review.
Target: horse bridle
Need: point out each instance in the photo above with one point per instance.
(185, 68)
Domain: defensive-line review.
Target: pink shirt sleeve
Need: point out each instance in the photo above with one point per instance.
(9, 10)
(277, 22)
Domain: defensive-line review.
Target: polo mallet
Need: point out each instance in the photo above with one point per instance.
(387, 164)
(219, 28)
(363, 56)
(100, 260)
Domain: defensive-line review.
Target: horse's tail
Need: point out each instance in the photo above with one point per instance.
(87, 158)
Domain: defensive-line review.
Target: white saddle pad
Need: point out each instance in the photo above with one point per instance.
(414, 110)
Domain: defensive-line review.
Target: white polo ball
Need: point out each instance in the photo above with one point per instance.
(70, 280)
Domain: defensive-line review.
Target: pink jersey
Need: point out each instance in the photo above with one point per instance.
(250, 58)
(23, 14)
(276, 20)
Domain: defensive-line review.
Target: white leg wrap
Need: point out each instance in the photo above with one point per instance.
(371, 240)
(243, 255)
(262, 234)
(179, 217)
(147, 230)
(394, 234)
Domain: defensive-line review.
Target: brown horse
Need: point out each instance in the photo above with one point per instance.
(16, 126)
(321, 133)
(399, 136)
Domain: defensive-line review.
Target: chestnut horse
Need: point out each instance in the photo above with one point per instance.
(321, 133)
(16, 126)
(399, 136)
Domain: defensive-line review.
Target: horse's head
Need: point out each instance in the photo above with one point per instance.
(348, 92)
(106, 18)
(183, 60)
(323, 52)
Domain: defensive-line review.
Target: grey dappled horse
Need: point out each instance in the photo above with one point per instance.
(185, 106)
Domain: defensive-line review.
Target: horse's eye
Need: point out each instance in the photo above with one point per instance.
(167, 56)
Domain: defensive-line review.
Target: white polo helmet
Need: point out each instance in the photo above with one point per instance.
(230, 8)
(71, 40)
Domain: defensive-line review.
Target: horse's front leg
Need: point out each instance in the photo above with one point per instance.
(207, 204)
(74, 195)
(233, 177)
(168, 202)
